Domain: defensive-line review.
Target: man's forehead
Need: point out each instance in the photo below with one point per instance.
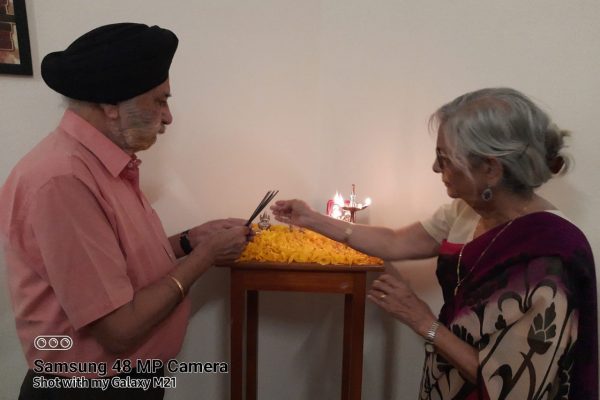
(162, 90)
(165, 89)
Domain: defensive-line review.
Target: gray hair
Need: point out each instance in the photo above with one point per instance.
(74, 104)
(505, 124)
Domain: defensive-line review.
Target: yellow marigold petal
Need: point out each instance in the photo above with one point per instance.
(280, 244)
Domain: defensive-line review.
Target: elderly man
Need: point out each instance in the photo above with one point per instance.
(90, 268)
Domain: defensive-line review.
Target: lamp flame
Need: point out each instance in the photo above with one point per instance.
(343, 209)
(336, 212)
(338, 200)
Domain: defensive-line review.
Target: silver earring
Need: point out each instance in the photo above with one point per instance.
(487, 194)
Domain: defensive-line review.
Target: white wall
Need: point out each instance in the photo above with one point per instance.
(309, 97)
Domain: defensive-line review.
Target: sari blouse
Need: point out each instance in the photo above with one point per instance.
(528, 305)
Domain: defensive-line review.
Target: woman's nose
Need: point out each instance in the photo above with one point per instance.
(436, 166)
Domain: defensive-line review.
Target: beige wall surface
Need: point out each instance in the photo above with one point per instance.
(309, 97)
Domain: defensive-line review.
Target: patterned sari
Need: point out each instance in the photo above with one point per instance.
(528, 306)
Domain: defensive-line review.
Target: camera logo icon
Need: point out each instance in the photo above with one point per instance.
(53, 342)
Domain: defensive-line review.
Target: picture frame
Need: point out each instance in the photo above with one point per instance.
(15, 52)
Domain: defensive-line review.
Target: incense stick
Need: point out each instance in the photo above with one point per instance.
(263, 203)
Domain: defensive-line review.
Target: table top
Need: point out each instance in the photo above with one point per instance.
(246, 265)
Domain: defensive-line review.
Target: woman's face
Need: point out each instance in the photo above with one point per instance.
(459, 183)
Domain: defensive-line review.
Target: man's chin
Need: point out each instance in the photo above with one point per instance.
(144, 145)
(150, 144)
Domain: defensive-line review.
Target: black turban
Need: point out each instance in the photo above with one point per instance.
(111, 63)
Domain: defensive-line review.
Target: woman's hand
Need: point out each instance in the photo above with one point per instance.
(295, 212)
(395, 296)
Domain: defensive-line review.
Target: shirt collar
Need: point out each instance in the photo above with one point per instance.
(110, 155)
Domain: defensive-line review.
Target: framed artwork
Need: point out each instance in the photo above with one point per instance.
(15, 54)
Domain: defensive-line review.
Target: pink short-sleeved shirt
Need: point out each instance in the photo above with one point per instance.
(80, 239)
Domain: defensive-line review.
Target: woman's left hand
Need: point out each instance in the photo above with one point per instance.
(395, 296)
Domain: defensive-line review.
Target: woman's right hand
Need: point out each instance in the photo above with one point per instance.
(294, 212)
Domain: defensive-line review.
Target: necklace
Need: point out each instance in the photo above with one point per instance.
(459, 281)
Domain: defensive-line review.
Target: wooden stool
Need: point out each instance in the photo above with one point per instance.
(247, 279)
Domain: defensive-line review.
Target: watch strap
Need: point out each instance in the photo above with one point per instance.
(184, 242)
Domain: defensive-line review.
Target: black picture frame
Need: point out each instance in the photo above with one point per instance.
(15, 52)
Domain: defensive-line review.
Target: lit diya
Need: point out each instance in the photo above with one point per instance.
(346, 209)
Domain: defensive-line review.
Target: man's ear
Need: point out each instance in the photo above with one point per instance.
(111, 111)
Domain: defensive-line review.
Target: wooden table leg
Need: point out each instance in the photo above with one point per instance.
(354, 318)
(238, 311)
(252, 345)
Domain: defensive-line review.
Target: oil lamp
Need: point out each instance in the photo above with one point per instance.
(353, 207)
(346, 209)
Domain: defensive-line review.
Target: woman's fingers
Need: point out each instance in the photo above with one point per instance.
(281, 206)
(378, 295)
(282, 210)
(396, 281)
(392, 294)
(383, 291)
(382, 286)
(387, 284)
(377, 299)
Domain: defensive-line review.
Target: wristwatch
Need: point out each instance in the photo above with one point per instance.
(184, 242)
(430, 337)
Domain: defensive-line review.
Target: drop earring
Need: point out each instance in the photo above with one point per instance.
(487, 194)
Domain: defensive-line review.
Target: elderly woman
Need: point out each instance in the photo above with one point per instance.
(519, 319)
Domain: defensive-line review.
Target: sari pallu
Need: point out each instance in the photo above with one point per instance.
(528, 306)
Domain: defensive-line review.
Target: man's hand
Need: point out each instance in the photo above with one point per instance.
(199, 233)
(224, 238)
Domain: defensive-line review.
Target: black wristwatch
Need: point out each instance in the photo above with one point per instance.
(184, 242)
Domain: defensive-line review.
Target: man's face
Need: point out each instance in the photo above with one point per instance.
(143, 117)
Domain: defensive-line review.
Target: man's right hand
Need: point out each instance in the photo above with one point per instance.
(226, 244)
(200, 233)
